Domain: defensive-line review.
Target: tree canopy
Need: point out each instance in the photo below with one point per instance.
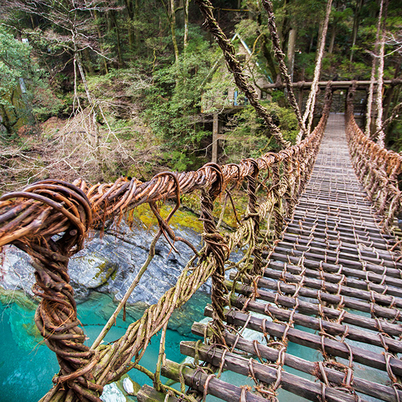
(141, 72)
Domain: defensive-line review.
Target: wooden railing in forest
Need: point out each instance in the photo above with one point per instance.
(378, 169)
(31, 218)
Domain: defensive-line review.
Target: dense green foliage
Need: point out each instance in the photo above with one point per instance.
(144, 73)
(24, 90)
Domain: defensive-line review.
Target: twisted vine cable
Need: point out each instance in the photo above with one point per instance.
(235, 68)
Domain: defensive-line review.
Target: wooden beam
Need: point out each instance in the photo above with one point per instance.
(149, 394)
(334, 84)
(334, 277)
(311, 308)
(306, 321)
(313, 341)
(335, 299)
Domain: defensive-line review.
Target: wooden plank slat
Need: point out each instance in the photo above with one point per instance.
(198, 380)
(263, 373)
(332, 313)
(334, 376)
(332, 347)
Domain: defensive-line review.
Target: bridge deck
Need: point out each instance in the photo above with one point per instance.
(324, 321)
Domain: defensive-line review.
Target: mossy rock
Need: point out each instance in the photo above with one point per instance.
(185, 219)
(96, 270)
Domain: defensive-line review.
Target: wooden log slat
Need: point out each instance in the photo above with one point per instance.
(336, 300)
(322, 230)
(351, 255)
(197, 380)
(344, 209)
(335, 278)
(317, 323)
(376, 269)
(343, 246)
(348, 191)
(321, 235)
(268, 375)
(149, 394)
(344, 290)
(359, 202)
(332, 347)
(309, 308)
(255, 348)
(284, 251)
(360, 223)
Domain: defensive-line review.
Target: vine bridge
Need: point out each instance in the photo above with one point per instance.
(313, 308)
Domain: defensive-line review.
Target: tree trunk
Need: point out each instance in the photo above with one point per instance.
(88, 62)
(185, 40)
(265, 51)
(118, 40)
(381, 133)
(282, 28)
(130, 12)
(378, 122)
(282, 66)
(332, 38)
(268, 57)
(6, 121)
(97, 22)
(373, 75)
(136, 20)
(173, 30)
(309, 112)
(390, 93)
(291, 50)
(356, 20)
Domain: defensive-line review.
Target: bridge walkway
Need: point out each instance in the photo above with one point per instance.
(324, 321)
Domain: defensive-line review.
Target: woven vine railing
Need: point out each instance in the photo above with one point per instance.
(378, 169)
(50, 221)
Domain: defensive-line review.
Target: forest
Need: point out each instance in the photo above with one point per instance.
(100, 89)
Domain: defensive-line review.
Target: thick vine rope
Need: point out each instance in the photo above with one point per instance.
(235, 67)
(378, 169)
(280, 56)
(309, 112)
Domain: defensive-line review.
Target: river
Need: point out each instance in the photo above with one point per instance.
(27, 365)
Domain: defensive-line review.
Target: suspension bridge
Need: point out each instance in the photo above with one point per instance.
(320, 271)
(311, 311)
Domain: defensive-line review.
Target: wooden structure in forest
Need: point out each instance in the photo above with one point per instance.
(334, 84)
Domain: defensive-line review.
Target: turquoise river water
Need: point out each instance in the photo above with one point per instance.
(27, 365)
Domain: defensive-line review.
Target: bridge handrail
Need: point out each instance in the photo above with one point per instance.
(378, 169)
(31, 218)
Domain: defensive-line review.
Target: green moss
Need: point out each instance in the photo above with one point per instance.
(101, 269)
(106, 271)
(186, 217)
